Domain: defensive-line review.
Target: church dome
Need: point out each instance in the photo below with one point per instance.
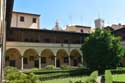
(57, 27)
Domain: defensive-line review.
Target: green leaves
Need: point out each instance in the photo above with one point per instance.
(13, 75)
(102, 50)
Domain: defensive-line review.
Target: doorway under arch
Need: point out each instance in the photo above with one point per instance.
(47, 57)
(61, 57)
(75, 57)
(30, 59)
(13, 58)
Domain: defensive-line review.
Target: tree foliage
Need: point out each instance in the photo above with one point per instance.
(102, 50)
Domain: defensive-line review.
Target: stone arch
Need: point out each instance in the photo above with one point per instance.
(47, 57)
(13, 58)
(62, 57)
(75, 57)
(30, 59)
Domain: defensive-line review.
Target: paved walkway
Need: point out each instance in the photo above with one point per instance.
(100, 79)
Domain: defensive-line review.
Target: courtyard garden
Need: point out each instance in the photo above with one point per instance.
(103, 53)
(79, 75)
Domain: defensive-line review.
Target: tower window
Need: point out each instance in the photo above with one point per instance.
(81, 30)
(34, 20)
(22, 18)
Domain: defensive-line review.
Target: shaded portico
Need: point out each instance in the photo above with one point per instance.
(30, 59)
(47, 58)
(75, 57)
(61, 57)
(13, 58)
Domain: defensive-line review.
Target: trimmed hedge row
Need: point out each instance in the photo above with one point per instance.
(118, 70)
(108, 76)
(91, 79)
(52, 74)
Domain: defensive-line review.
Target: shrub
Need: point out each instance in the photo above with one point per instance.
(65, 66)
(94, 75)
(108, 76)
(49, 67)
(9, 69)
(91, 79)
(13, 75)
(82, 66)
(34, 69)
(79, 81)
(118, 70)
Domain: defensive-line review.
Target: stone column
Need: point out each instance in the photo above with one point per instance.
(82, 59)
(21, 62)
(39, 62)
(55, 61)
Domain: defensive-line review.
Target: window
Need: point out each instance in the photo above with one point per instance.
(81, 30)
(79, 59)
(34, 20)
(43, 60)
(21, 18)
(66, 41)
(7, 58)
(25, 61)
(47, 40)
(66, 60)
(31, 58)
(58, 41)
(12, 63)
(26, 40)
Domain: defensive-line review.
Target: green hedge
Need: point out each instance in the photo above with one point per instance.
(13, 75)
(108, 76)
(91, 79)
(118, 70)
(52, 74)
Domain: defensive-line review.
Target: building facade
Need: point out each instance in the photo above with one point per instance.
(31, 47)
(78, 29)
(99, 23)
(25, 20)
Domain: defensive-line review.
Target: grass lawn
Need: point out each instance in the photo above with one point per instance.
(65, 80)
(120, 77)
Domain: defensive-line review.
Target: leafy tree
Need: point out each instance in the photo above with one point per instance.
(102, 50)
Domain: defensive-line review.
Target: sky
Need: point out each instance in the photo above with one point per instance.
(67, 12)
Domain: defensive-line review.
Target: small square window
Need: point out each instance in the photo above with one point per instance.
(81, 30)
(21, 18)
(31, 58)
(34, 20)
